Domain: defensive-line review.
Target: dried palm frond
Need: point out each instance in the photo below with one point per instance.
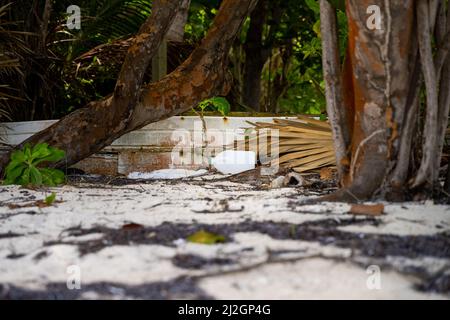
(304, 144)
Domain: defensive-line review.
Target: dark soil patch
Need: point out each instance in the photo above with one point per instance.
(9, 215)
(439, 283)
(324, 231)
(167, 233)
(40, 255)
(13, 256)
(10, 235)
(252, 179)
(180, 288)
(100, 180)
(190, 261)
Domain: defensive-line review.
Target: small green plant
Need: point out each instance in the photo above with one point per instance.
(50, 199)
(219, 104)
(23, 167)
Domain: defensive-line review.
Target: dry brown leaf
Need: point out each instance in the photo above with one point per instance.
(367, 210)
(327, 174)
(132, 226)
(315, 122)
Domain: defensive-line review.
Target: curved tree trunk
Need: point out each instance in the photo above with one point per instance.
(202, 75)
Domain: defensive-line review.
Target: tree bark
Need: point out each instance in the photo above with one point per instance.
(336, 109)
(428, 173)
(388, 67)
(176, 32)
(380, 71)
(202, 75)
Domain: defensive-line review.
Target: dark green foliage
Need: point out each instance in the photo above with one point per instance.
(13, 49)
(305, 93)
(23, 168)
(201, 14)
(48, 82)
(46, 74)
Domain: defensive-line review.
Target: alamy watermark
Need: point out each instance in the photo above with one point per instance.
(74, 277)
(373, 281)
(74, 17)
(196, 148)
(374, 21)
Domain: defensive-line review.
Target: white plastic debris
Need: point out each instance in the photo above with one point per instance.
(234, 162)
(167, 174)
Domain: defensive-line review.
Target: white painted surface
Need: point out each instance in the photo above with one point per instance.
(155, 134)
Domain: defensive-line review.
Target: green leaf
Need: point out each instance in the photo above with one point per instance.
(50, 199)
(35, 176)
(222, 105)
(313, 5)
(40, 151)
(218, 104)
(24, 179)
(54, 156)
(14, 173)
(203, 105)
(204, 237)
(12, 165)
(316, 28)
(52, 177)
(18, 156)
(27, 152)
(47, 179)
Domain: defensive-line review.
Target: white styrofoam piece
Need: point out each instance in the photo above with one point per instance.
(234, 162)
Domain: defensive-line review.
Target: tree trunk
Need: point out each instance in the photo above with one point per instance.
(202, 75)
(380, 60)
(280, 81)
(337, 110)
(382, 101)
(176, 32)
(255, 57)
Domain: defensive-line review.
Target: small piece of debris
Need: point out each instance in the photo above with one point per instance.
(277, 183)
(132, 226)
(327, 174)
(205, 237)
(367, 210)
(294, 179)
